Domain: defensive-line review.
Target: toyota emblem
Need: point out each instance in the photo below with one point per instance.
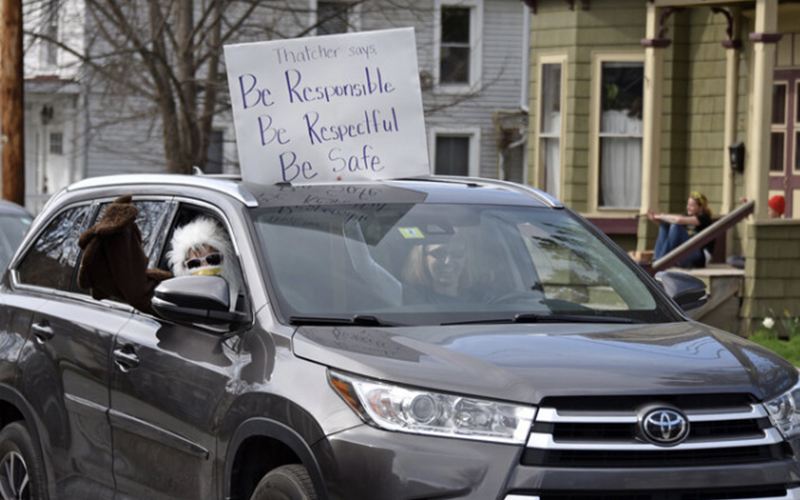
(665, 426)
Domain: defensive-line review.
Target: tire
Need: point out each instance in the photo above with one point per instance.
(288, 482)
(21, 470)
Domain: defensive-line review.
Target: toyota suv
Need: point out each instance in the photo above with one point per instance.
(424, 338)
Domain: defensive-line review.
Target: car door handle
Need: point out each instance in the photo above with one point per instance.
(126, 358)
(43, 332)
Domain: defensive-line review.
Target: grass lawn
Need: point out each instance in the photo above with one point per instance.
(788, 349)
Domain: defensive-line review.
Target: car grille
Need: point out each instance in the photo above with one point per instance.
(605, 432)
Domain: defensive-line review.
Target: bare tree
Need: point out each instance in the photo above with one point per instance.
(160, 61)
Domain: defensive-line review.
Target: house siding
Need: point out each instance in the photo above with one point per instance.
(772, 276)
(705, 113)
(605, 27)
(501, 80)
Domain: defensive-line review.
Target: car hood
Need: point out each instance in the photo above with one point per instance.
(526, 363)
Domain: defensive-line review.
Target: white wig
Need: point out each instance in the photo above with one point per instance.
(193, 236)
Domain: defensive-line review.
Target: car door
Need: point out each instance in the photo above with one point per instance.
(168, 383)
(63, 368)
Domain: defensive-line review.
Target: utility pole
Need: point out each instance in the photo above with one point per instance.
(12, 122)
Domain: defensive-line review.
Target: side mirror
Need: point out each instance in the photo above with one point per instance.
(195, 299)
(686, 290)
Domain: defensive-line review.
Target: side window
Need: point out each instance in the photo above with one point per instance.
(219, 242)
(150, 219)
(152, 215)
(51, 260)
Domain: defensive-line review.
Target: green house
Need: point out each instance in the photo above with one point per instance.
(634, 104)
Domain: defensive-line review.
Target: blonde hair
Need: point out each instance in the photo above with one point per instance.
(701, 200)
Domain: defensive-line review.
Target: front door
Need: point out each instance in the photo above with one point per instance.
(168, 383)
(784, 168)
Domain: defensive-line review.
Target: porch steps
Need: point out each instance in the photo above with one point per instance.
(725, 285)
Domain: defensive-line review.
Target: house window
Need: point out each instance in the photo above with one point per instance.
(56, 143)
(620, 134)
(454, 59)
(452, 155)
(550, 128)
(779, 127)
(458, 52)
(797, 126)
(332, 18)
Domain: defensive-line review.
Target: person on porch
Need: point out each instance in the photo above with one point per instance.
(777, 207)
(675, 229)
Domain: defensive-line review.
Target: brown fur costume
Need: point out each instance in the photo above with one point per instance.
(114, 263)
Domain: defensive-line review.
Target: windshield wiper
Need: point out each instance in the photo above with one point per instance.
(569, 318)
(356, 320)
(547, 318)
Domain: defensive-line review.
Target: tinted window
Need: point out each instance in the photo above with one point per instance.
(149, 219)
(51, 260)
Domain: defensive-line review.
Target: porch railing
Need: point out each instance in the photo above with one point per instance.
(701, 239)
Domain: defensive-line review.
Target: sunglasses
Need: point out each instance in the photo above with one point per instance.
(212, 259)
(442, 253)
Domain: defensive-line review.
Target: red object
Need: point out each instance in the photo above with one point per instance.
(778, 203)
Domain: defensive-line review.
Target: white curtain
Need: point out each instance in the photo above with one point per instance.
(552, 163)
(551, 125)
(621, 160)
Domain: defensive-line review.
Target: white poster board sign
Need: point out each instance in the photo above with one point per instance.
(329, 108)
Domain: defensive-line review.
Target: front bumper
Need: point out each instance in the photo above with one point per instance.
(365, 463)
(793, 494)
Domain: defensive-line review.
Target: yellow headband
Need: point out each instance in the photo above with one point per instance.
(700, 198)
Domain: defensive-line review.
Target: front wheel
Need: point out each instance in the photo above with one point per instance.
(288, 482)
(21, 471)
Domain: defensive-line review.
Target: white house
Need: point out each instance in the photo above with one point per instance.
(473, 67)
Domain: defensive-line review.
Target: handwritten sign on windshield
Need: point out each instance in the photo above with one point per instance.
(329, 108)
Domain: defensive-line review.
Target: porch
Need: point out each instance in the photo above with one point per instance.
(768, 286)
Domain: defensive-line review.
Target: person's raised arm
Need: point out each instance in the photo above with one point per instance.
(681, 220)
(385, 283)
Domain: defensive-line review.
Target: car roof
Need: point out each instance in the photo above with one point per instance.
(428, 189)
(11, 208)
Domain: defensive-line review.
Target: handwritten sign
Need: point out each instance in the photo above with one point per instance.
(331, 108)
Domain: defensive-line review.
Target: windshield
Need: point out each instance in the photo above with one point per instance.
(430, 264)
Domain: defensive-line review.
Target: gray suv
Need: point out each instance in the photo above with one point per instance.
(427, 338)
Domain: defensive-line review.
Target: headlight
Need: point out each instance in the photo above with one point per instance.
(423, 412)
(784, 412)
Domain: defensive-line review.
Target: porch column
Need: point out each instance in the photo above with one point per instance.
(651, 126)
(757, 147)
(732, 46)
